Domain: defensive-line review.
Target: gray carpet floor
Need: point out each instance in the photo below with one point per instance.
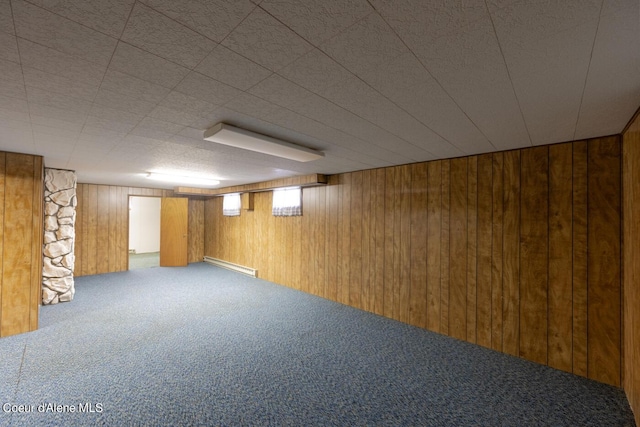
(205, 346)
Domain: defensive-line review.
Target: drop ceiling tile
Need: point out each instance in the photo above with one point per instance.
(96, 129)
(17, 139)
(125, 84)
(62, 85)
(360, 99)
(70, 118)
(175, 116)
(329, 140)
(207, 89)
(53, 122)
(6, 19)
(369, 43)
(14, 104)
(315, 71)
(61, 64)
(156, 129)
(67, 136)
(317, 21)
(106, 16)
(9, 48)
(413, 89)
(10, 71)
(251, 105)
(212, 18)
(264, 40)
(9, 115)
(146, 66)
(459, 48)
(43, 27)
(114, 115)
(121, 102)
(45, 97)
(182, 109)
(100, 124)
(612, 92)
(547, 49)
(12, 89)
(227, 66)
(280, 91)
(162, 36)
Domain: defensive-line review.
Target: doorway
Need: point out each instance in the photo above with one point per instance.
(144, 232)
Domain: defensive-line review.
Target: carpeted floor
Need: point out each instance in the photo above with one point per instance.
(205, 346)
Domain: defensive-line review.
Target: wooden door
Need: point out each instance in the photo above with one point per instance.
(174, 213)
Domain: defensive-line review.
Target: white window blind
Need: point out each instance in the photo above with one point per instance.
(287, 201)
(231, 204)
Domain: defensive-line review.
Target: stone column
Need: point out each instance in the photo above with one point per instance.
(59, 235)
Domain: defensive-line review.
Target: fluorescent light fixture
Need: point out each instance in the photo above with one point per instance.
(179, 179)
(223, 133)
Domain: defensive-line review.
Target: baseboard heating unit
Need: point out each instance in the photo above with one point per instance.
(231, 266)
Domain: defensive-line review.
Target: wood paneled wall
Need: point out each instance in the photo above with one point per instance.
(21, 229)
(517, 251)
(631, 215)
(102, 227)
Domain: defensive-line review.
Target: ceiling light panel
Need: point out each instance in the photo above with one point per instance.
(225, 134)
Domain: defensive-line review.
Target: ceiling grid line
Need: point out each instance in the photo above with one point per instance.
(506, 66)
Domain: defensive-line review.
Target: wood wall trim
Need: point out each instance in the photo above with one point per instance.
(302, 181)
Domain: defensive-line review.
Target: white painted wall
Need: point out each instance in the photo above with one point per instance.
(144, 224)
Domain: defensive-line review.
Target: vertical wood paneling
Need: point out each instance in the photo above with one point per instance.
(112, 211)
(458, 250)
(491, 249)
(196, 230)
(102, 232)
(355, 231)
(579, 255)
(345, 256)
(102, 227)
(37, 216)
(366, 239)
(418, 291)
(472, 248)
(511, 254)
(405, 243)
(340, 237)
(604, 313)
(18, 244)
(445, 247)
(92, 231)
(485, 219)
(631, 286)
(379, 264)
(560, 258)
(320, 258)
(3, 174)
(396, 250)
(496, 252)
(434, 227)
(390, 208)
(534, 232)
(332, 237)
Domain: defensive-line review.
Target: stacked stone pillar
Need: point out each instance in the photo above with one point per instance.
(59, 236)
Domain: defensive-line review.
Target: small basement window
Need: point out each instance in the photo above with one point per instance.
(287, 201)
(231, 204)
